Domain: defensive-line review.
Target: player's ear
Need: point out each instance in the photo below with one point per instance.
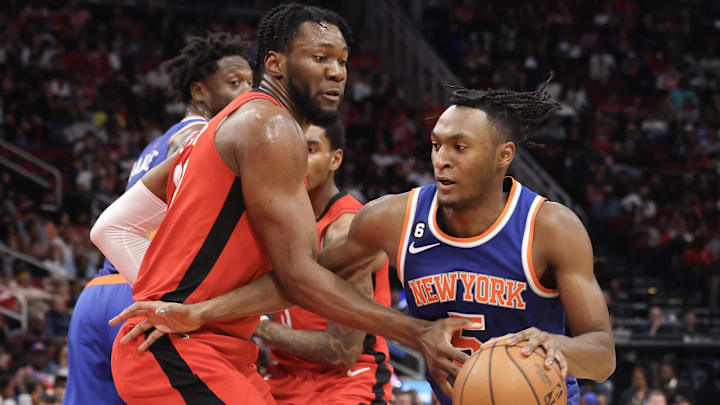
(275, 64)
(199, 92)
(506, 154)
(336, 158)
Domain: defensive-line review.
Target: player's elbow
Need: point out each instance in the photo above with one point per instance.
(297, 287)
(98, 233)
(608, 366)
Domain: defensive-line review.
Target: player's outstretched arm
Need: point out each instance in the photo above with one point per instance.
(563, 245)
(338, 345)
(272, 164)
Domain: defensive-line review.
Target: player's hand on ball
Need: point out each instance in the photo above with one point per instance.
(165, 317)
(440, 355)
(551, 342)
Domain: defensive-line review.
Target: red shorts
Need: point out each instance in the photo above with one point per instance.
(203, 368)
(364, 383)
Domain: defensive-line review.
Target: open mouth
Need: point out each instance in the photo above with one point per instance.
(333, 95)
(444, 181)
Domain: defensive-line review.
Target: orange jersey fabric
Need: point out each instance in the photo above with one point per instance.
(205, 246)
(302, 319)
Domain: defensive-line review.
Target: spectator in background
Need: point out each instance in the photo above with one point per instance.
(673, 385)
(37, 369)
(690, 328)
(638, 393)
(7, 390)
(657, 397)
(57, 319)
(656, 323)
(35, 332)
(407, 398)
(589, 398)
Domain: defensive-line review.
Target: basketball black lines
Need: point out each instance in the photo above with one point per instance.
(469, 373)
(523, 374)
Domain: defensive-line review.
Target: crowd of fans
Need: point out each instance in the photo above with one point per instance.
(637, 144)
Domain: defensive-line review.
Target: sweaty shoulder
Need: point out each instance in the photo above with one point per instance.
(380, 222)
(257, 126)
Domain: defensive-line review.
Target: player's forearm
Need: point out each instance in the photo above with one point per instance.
(262, 296)
(337, 300)
(590, 355)
(315, 346)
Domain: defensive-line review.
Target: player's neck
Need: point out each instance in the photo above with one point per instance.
(279, 91)
(320, 196)
(198, 109)
(474, 220)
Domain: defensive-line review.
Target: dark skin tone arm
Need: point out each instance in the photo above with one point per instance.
(562, 257)
(274, 145)
(377, 229)
(338, 346)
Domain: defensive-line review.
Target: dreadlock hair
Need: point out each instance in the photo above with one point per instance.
(198, 60)
(279, 26)
(513, 114)
(335, 134)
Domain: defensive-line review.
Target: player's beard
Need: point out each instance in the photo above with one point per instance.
(311, 110)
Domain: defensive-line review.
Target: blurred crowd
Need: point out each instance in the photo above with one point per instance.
(637, 144)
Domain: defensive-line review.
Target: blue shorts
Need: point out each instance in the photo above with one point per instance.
(90, 341)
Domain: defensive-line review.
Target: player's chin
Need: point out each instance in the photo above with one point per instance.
(447, 199)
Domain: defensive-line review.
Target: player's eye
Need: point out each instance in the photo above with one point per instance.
(460, 147)
(343, 62)
(319, 58)
(435, 145)
(235, 82)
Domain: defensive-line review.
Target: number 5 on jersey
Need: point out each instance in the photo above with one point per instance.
(467, 344)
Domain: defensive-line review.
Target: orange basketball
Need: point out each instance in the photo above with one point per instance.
(502, 375)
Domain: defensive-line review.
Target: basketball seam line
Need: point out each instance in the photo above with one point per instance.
(527, 380)
(559, 373)
(464, 384)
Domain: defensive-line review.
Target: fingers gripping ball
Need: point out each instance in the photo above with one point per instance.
(501, 375)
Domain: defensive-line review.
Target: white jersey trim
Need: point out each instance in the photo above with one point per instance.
(474, 243)
(406, 237)
(529, 276)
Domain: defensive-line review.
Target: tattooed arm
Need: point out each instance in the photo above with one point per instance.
(338, 346)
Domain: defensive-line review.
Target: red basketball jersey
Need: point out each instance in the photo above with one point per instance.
(375, 349)
(205, 246)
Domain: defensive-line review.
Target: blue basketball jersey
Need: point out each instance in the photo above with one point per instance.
(488, 278)
(154, 154)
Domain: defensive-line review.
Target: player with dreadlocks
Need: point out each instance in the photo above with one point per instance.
(208, 73)
(237, 208)
(477, 245)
